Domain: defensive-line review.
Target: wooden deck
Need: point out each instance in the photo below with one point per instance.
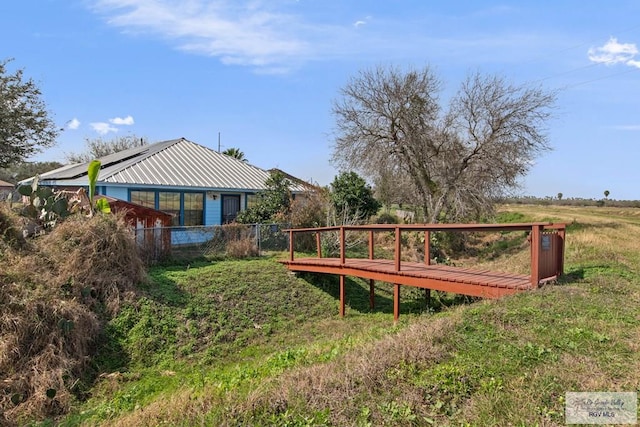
(547, 253)
(479, 283)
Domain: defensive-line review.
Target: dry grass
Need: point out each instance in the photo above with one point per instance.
(53, 297)
(373, 370)
(233, 240)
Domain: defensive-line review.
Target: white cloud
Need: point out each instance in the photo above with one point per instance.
(633, 63)
(238, 32)
(73, 124)
(362, 22)
(613, 52)
(277, 36)
(103, 128)
(128, 121)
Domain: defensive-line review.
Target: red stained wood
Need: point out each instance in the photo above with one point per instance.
(546, 262)
(481, 283)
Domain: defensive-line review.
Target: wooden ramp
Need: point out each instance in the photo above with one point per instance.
(547, 253)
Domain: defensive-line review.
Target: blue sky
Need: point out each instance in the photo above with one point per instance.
(263, 74)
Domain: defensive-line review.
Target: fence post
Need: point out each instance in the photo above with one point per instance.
(258, 239)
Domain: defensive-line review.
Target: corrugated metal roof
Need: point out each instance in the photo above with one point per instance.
(178, 162)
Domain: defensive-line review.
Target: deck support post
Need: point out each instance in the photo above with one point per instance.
(398, 249)
(342, 245)
(372, 295)
(536, 231)
(560, 261)
(371, 249)
(290, 245)
(396, 302)
(427, 297)
(319, 244)
(342, 295)
(427, 247)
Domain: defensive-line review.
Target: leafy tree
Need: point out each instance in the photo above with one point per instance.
(352, 197)
(25, 124)
(273, 204)
(22, 170)
(559, 196)
(606, 194)
(456, 161)
(100, 147)
(235, 153)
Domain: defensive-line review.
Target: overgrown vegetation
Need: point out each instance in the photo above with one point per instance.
(56, 293)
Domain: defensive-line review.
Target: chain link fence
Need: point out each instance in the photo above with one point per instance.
(234, 240)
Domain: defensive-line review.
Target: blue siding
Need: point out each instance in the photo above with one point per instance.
(121, 193)
(212, 211)
(212, 208)
(191, 236)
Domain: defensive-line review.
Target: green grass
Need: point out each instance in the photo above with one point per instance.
(247, 343)
(227, 324)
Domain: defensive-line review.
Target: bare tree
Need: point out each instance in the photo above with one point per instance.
(99, 147)
(458, 161)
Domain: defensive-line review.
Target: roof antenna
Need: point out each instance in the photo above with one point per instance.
(218, 142)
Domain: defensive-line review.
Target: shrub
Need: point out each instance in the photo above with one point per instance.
(387, 218)
(242, 248)
(234, 240)
(55, 297)
(10, 229)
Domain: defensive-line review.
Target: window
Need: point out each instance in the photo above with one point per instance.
(186, 208)
(144, 198)
(193, 209)
(170, 203)
(252, 200)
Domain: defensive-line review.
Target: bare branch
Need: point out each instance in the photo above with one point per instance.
(390, 120)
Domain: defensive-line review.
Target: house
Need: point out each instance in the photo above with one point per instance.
(5, 188)
(196, 184)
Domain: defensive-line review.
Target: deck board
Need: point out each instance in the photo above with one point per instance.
(466, 281)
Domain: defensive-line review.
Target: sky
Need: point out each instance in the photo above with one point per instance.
(262, 75)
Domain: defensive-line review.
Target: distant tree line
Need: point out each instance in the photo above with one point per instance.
(572, 201)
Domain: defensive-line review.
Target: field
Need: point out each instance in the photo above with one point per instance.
(248, 343)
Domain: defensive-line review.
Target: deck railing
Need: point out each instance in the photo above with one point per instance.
(546, 238)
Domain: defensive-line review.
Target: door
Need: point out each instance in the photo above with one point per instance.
(230, 208)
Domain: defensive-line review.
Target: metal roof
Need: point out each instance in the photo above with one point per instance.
(177, 162)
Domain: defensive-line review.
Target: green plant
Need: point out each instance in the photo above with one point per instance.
(101, 205)
(45, 206)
